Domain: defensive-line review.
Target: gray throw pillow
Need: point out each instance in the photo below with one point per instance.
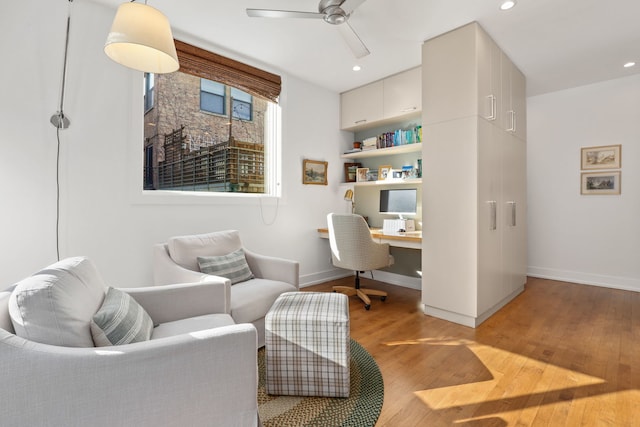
(120, 320)
(232, 266)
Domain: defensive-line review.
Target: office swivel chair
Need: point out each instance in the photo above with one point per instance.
(353, 248)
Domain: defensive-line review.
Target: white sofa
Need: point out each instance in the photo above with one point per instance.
(198, 368)
(177, 261)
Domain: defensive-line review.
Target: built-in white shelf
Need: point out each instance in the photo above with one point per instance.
(390, 151)
(385, 182)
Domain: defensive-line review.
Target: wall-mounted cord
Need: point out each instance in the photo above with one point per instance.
(58, 195)
(275, 216)
(60, 121)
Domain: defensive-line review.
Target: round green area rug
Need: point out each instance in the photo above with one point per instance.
(361, 409)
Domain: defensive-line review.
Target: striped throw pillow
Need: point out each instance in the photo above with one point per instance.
(120, 320)
(233, 266)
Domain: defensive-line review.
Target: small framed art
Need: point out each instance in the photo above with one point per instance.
(361, 174)
(600, 183)
(350, 171)
(314, 172)
(603, 157)
(384, 171)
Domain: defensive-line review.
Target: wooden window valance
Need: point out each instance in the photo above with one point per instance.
(211, 66)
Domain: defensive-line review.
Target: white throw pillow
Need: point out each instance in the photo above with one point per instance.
(185, 250)
(55, 305)
(120, 320)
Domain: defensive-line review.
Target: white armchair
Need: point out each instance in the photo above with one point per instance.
(353, 248)
(249, 301)
(189, 373)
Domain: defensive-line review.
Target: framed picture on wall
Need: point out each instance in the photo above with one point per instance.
(604, 183)
(603, 157)
(314, 172)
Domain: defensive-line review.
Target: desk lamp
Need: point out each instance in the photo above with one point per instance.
(348, 196)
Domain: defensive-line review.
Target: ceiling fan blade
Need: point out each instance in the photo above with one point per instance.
(353, 41)
(351, 5)
(267, 13)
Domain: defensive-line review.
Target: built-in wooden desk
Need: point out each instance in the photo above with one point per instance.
(411, 239)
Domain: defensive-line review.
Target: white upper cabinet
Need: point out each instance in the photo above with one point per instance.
(362, 106)
(480, 80)
(383, 101)
(402, 94)
(514, 99)
(450, 82)
(489, 78)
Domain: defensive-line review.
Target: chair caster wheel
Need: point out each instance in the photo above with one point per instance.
(383, 298)
(367, 307)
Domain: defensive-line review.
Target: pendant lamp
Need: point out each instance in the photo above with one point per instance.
(141, 39)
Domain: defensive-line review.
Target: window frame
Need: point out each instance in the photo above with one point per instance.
(273, 160)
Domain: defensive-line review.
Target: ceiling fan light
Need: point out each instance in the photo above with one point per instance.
(141, 39)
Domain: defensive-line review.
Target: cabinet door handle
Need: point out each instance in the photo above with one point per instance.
(512, 119)
(492, 107)
(408, 110)
(360, 121)
(513, 213)
(493, 223)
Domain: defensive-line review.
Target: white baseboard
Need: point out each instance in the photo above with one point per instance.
(323, 276)
(397, 279)
(470, 321)
(613, 282)
(382, 276)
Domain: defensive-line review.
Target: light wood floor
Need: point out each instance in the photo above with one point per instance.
(560, 354)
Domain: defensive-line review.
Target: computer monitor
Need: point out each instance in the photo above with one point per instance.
(399, 201)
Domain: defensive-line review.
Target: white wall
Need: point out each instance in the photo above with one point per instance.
(103, 215)
(584, 239)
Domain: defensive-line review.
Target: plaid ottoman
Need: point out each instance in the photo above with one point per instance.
(307, 345)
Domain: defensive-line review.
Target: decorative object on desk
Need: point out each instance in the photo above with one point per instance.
(348, 197)
(603, 157)
(396, 174)
(361, 408)
(372, 175)
(350, 170)
(361, 174)
(600, 183)
(357, 145)
(314, 172)
(384, 172)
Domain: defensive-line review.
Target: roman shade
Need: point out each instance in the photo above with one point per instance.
(199, 62)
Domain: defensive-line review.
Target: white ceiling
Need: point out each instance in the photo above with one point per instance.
(557, 44)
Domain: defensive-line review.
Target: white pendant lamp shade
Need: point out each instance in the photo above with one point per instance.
(141, 39)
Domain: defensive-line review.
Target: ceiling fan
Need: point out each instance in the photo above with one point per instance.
(334, 12)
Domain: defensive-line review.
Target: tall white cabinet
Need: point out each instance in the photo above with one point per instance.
(474, 173)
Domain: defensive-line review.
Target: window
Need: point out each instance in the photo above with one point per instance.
(235, 149)
(242, 104)
(212, 96)
(148, 91)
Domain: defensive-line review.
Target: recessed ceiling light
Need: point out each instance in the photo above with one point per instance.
(629, 64)
(356, 68)
(506, 5)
